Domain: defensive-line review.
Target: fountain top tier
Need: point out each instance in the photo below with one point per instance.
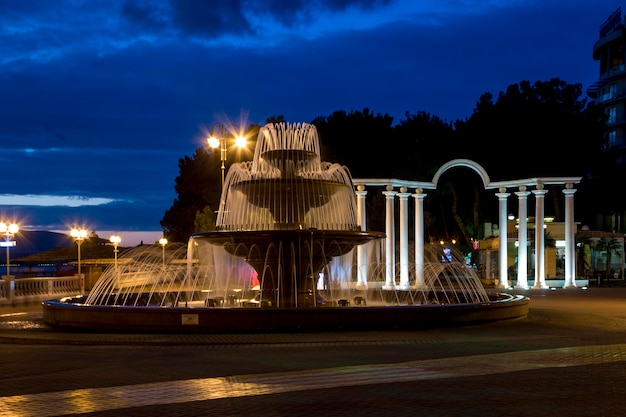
(287, 186)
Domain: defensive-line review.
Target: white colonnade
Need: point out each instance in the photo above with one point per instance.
(520, 188)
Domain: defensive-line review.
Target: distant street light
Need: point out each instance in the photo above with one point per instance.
(8, 231)
(79, 236)
(163, 242)
(218, 139)
(115, 240)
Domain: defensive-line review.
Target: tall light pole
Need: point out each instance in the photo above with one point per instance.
(218, 139)
(8, 231)
(163, 242)
(79, 236)
(115, 240)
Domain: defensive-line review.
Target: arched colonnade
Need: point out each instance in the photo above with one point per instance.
(522, 189)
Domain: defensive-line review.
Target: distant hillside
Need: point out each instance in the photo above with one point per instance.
(31, 242)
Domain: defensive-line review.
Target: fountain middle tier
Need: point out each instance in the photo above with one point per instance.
(288, 262)
(290, 199)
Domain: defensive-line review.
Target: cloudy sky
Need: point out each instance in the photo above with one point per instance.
(100, 98)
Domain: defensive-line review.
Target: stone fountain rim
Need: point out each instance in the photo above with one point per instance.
(68, 313)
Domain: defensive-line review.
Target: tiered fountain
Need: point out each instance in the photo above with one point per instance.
(281, 258)
(288, 215)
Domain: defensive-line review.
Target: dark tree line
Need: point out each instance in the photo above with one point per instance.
(529, 130)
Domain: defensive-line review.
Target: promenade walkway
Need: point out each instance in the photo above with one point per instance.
(567, 358)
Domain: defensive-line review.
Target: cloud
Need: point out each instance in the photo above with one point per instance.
(150, 17)
(211, 19)
(51, 200)
(217, 19)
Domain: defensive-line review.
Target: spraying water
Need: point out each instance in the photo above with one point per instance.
(285, 233)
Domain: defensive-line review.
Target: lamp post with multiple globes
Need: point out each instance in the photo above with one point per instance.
(79, 235)
(219, 138)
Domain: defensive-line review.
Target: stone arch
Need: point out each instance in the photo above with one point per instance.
(462, 163)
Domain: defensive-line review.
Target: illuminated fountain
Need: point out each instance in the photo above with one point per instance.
(281, 258)
(288, 215)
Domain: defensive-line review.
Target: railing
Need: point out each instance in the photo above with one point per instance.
(618, 120)
(610, 96)
(32, 290)
(614, 70)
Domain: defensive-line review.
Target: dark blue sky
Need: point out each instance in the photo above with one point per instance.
(101, 98)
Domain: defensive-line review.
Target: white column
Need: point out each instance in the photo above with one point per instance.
(502, 252)
(540, 267)
(570, 238)
(522, 239)
(404, 237)
(419, 238)
(390, 240)
(361, 250)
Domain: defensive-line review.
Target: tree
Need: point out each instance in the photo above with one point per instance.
(360, 140)
(534, 130)
(197, 187)
(422, 143)
(205, 220)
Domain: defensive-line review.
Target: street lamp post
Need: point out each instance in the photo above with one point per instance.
(79, 236)
(8, 231)
(163, 242)
(215, 142)
(218, 140)
(115, 240)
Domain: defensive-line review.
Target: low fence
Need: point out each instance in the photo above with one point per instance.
(33, 290)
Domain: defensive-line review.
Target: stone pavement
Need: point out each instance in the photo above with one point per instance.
(568, 358)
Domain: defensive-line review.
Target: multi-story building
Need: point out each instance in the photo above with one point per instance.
(610, 92)
(610, 89)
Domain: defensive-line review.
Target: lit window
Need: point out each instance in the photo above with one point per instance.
(612, 136)
(612, 113)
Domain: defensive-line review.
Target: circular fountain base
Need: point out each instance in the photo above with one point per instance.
(69, 313)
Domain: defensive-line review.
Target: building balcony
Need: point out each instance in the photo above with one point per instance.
(616, 122)
(613, 73)
(594, 90)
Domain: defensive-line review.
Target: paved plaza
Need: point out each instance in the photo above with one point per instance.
(568, 358)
